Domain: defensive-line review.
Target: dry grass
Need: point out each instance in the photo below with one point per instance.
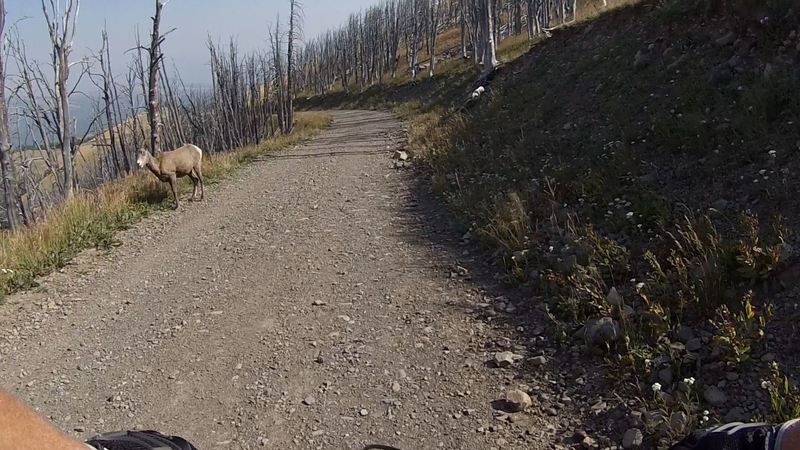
(91, 219)
(563, 168)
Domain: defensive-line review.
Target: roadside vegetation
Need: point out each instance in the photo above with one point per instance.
(91, 218)
(637, 170)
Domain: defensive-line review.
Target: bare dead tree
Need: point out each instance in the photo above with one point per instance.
(462, 14)
(104, 82)
(155, 57)
(295, 26)
(5, 141)
(61, 27)
(487, 27)
(433, 32)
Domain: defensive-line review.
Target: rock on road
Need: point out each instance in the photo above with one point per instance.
(307, 303)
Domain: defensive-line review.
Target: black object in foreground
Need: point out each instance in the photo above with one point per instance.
(744, 436)
(139, 440)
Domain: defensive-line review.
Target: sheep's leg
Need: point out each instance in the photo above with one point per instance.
(199, 173)
(173, 183)
(194, 182)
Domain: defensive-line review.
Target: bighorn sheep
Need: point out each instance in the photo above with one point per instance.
(179, 163)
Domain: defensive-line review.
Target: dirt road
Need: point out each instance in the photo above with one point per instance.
(313, 301)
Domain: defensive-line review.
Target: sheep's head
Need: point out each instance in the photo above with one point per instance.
(142, 156)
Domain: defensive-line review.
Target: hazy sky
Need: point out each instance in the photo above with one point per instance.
(194, 20)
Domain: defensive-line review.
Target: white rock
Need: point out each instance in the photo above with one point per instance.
(506, 359)
(633, 438)
(518, 400)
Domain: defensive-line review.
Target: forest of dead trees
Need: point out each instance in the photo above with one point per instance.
(390, 37)
(143, 102)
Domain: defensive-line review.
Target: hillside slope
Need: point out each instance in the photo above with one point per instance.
(638, 171)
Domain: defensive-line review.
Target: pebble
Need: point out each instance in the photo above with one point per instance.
(694, 345)
(539, 360)
(363, 412)
(309, 400)
(633, 438)
(506, 359)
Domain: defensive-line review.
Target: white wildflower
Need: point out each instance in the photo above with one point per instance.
(689, 381)
(629, 215)
(765, 384)
(639, 286)
(656, 387)
(772, 153)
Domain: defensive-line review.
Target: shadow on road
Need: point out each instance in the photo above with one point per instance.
(566, 389)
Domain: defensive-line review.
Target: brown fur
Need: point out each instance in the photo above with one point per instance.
(169, 166)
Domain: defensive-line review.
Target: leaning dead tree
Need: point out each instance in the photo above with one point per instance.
(5, 140)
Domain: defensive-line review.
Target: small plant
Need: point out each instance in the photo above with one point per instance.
(695, 275)
(784, 396)
(509, 225)
(738, 332)
(757, 257)
(611, 258)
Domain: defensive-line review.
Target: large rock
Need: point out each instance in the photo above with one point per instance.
(727, 39)
(517, 400)
(737, 415)
(714, 396)
(601, 331)
(720, 75)
(694, 345)
(686, 334)
(634, 438)
(613, 298)
(642, 59)
(666, 376)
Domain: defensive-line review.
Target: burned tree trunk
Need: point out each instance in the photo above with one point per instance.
(108, 106)
(433, 33)
(5, 142)
(487, 22)
(153, 113)
(294, 33)
(62, 33)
